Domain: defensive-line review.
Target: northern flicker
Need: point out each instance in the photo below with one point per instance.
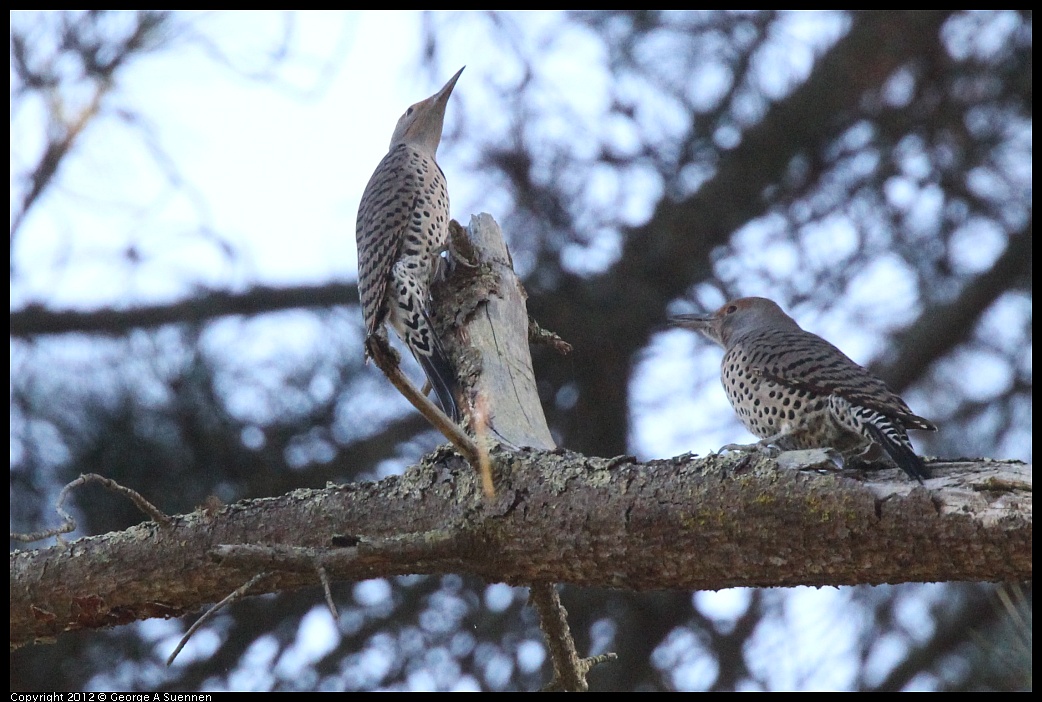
(402, 229)
(797, 391)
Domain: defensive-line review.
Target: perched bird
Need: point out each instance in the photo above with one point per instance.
(797, 391)
(401, 231)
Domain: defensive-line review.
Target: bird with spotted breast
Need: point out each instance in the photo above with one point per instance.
(401, 232)
(797, 391)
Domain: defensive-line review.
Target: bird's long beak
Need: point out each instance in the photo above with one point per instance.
(695, 322)
(446, 90)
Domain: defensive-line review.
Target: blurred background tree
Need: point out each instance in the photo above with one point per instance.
(871, 172)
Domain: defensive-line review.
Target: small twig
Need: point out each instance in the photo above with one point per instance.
(1014, 609)
(569, 669)
(239, 593)
(69, 523)
(481, 431)
(538, 335)
(300, 559)
(279, 557)
(324, 577)
(385, 359)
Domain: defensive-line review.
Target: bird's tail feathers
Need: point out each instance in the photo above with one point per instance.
(900, 452)
(442, 377)
(440, 373)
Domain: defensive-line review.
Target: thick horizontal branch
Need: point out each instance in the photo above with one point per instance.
(686, 523)
(36, 320)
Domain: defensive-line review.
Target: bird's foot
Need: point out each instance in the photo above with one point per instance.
(761, 447)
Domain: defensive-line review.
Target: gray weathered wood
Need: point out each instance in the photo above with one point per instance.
(490, 332)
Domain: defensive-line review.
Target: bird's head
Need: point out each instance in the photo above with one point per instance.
(421, 124)
(735, 319)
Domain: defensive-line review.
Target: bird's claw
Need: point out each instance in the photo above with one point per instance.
(760, 447)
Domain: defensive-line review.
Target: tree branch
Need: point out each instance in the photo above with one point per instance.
(35, 320)
(687, 523)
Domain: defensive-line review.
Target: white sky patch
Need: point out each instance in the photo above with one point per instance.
(280, 176)
(498, 597)
(677, 403)
(723, 605)
(691, 667)
(976, 245)
(530, 655)
(370, 593)
(255, 673)
(810, 647)
(316, 636)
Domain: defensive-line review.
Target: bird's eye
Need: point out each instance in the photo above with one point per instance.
(731, 309)
(409, 111)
